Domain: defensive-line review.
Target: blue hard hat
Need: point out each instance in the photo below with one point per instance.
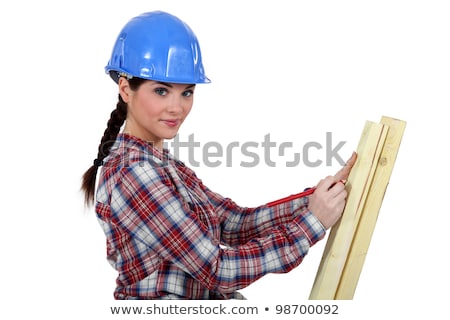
(157, 46)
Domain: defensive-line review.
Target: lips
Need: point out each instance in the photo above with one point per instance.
(171, 122)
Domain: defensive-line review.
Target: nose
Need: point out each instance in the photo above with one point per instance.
(177, 105)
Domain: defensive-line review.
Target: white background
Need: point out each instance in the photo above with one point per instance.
(294, 69)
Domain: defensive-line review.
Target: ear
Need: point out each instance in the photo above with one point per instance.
(124, 89)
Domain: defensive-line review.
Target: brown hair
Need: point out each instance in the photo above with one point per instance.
(115, 122)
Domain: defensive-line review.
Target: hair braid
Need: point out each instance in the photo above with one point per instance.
(114, 124)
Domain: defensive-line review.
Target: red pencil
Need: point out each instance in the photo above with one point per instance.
(305, 193)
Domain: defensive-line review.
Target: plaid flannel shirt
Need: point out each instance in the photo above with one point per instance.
(170, 237)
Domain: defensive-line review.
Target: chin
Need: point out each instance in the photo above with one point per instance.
(171, 136)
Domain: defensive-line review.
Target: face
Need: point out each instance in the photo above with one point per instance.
(156, 110)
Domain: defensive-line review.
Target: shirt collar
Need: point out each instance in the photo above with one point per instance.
(144, 148)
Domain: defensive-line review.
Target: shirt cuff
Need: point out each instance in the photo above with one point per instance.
(311, 226)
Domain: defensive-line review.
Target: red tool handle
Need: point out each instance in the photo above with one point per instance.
(305, 193)
(292, 197)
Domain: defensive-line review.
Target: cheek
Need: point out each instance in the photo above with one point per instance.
(188, 110)
(146, 109)
(188, 107)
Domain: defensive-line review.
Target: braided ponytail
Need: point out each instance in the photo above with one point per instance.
(115, 122)
(118, 117)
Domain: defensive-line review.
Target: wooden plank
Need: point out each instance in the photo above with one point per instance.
(363, 234)
(341, 235)
(349, 240)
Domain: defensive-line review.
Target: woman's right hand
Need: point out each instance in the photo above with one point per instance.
(328, 200)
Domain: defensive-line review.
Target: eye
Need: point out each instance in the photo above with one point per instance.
(161, 91)
(188, 93)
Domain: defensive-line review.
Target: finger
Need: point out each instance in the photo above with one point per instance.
(337, 189)
(339, 200)
(344, 172)
(326, 183)
(351, 161)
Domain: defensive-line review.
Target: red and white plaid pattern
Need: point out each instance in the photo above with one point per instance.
(170, 237)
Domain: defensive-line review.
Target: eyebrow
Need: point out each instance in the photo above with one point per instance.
(171, 86)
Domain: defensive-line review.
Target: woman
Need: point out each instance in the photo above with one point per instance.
(168, 235)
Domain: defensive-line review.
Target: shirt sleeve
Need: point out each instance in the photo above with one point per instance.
(146, 206)
(241, 224)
